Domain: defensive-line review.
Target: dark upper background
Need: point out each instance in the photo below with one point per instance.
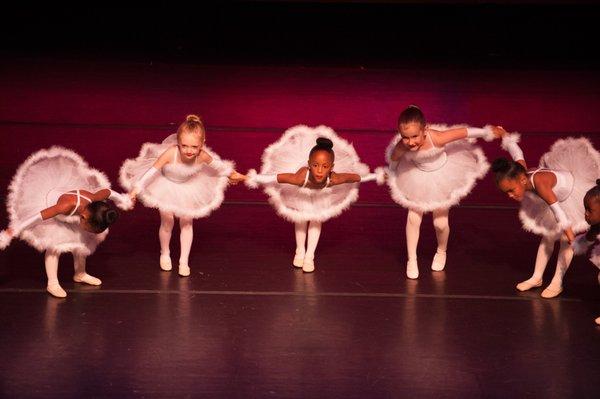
(479, 34)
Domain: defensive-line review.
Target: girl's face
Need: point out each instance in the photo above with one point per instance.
(514, 188)
(592, 210)
(190, 145)
(413, 135)
(320, 164)
(84, 222)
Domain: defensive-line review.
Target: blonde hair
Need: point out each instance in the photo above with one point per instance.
(192, 124)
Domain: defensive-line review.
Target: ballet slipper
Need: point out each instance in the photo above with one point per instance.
(529, 284)
(308, 265)
(56, 290)
(86, 279)
(598, 321)
(165, 263)
(298, 261)
(439, 261)
(184, 270)
(551, 292)
(412, 269)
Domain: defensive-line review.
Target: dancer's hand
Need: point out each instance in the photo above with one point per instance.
(570, 235)
(236, 177)
(499, 132)
(133, 196)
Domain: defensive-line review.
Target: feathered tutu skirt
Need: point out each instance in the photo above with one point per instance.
(37, 185)
(437, 178)
(578, 157)
(289, 154)
(186, 191)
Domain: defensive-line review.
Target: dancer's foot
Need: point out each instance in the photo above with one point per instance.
(598, 321)
(529, 284)
(551, 291)
(308, 265)
(412, 269)
(439, 261)
(86, 279)
(298, 261)
(56, 290)
(184, 270)
(165, 262)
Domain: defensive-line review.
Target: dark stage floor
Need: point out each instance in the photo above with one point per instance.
(246, 324)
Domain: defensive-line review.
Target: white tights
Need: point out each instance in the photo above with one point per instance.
(186, 235)
(311, 229)
(413, 227)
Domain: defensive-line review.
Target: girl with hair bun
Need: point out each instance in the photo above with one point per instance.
(583, 242)
(309, 194)
(181, 177)
(551, 196)
(56, 203)
(431, 168)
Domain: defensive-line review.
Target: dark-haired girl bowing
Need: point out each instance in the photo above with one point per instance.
(551, 197)
(310, 193)
(56, 203)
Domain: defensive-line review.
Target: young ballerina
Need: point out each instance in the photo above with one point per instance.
(584, 241)
(310, 194)
(431, 168)
(56, 204)
(551, 197)
(183, 178)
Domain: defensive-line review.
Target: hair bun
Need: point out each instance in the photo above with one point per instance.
(325, 143)
(193, 118)
(414, 106)
(500, 165)
(111, 216)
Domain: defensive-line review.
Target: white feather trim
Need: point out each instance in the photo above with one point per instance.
(595, 257)
(85, 247)
(250, 181)
(512, 138)
(489, 133)
(5, 239)
(285, 154)
(399, 194)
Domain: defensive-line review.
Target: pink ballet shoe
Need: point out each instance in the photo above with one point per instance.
(412, 269)
(87, 279)
(551, 292)
(308, 265)
(184, 270)
(56, 290)
(165, 263)
(298, 261)
(439, 261)
(529, 284)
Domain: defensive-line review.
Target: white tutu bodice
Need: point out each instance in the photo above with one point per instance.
(576, 165)
(185, 190)
(436, 178)
(39, 182)
(289, 154)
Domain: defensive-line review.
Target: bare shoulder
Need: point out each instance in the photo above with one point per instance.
(205, 157)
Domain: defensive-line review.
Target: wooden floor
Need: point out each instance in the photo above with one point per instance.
(247, 324)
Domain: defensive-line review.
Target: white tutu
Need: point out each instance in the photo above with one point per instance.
(582, 161)
(289, 154)
(192, 191)
(437, 178)
(39, 181)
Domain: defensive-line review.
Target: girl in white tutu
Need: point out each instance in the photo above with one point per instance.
(56, 204)
(551, 196)
(431, 168)
(309, 194)
(181, 177)
(584, 241)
